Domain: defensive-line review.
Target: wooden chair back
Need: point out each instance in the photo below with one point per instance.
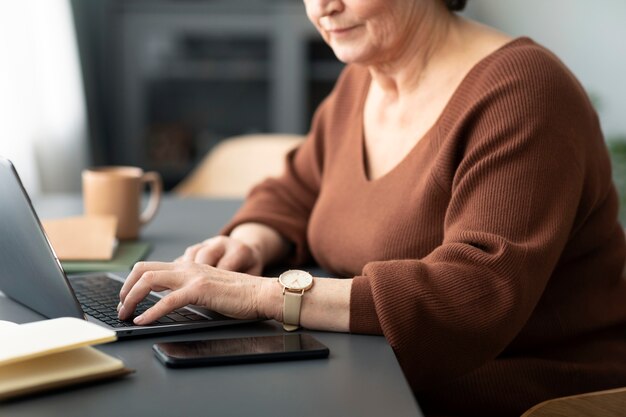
(236, 164)
(610, 403)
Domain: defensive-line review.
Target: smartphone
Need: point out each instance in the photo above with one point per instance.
(239, 350)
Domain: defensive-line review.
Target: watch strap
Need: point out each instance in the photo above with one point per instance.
(291, 310)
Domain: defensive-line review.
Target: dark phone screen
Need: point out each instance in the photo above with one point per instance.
(288, 343)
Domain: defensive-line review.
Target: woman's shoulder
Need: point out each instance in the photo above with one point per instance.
(522, 88)
(524, 61)
(521, 78)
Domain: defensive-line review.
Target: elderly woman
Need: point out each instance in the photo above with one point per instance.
(459, 178)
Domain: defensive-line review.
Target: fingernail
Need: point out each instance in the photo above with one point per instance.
(119, 306)
(121, 313)
(139, 319)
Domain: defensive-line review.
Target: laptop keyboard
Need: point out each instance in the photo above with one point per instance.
(99, 297)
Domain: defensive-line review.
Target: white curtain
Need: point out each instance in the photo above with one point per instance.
(43, 125)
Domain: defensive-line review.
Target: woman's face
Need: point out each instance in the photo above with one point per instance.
(366, 31)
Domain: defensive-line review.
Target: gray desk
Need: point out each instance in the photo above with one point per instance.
(360, 378)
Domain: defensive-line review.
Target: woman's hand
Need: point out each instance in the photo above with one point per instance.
(225, 252)
(230, 293)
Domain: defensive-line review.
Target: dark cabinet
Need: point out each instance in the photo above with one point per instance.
(187, 74)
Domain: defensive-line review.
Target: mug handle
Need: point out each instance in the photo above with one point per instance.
(153, 179)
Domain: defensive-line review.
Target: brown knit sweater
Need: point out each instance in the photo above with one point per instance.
(490, 257)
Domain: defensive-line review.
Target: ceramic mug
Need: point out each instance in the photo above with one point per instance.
(117, 190)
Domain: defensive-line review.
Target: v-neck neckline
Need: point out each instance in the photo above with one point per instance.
(432, 130)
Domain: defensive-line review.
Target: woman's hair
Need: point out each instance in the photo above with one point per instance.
(455, 5)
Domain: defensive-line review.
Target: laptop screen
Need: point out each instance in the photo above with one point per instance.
(29, 271)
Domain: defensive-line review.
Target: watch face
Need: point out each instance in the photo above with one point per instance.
(296, 280)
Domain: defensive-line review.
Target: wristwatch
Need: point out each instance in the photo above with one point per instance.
(295, 283)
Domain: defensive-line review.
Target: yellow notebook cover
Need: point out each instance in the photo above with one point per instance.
(53, 353)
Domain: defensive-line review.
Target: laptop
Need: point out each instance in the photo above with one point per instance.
(31, 274)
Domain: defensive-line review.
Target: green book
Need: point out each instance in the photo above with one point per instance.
(126, 255)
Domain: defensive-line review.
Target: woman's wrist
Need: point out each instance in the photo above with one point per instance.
(326, 306)
(270, 299)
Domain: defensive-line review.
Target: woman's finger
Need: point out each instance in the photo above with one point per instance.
(190, 252)
(237, 260)
(138, 270)
(167, 304)
(149, 281)
(210, 254)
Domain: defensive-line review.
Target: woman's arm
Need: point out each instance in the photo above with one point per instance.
(326, 306)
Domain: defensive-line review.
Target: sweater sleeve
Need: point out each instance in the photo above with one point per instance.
(514, 190)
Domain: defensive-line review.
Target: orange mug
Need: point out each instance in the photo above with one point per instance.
(117, 190)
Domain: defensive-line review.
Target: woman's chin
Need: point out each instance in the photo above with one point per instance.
(350, 56)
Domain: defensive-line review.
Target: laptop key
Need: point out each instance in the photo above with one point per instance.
(196, 317)
(164, 320)
(177, 317)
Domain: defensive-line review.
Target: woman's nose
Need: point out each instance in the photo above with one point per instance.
(321, 8)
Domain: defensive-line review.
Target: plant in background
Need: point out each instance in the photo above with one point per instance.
(617, 150)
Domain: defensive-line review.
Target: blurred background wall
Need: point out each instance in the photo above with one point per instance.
(164, 81)
(588, 36)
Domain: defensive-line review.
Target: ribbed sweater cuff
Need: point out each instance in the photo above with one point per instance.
(363, 317)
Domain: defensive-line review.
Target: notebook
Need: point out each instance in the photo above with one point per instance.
(31, 274)
(51, 354)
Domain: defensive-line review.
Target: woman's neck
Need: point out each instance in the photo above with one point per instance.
(419, 53)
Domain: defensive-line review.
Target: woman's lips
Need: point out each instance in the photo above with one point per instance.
(342, 30)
